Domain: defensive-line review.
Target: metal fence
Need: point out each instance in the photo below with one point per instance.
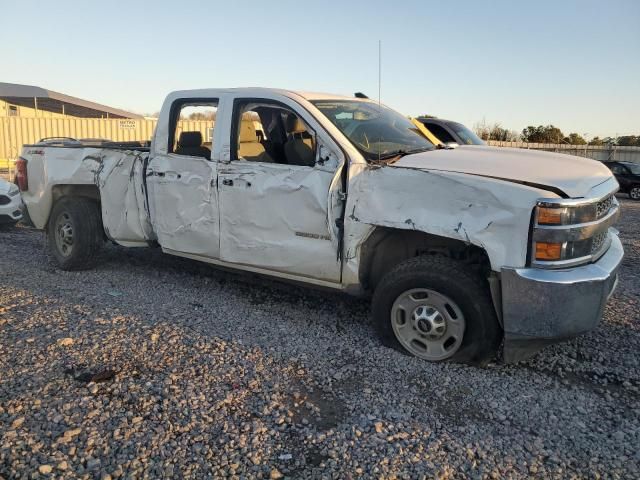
(17, 131)
(602, 153)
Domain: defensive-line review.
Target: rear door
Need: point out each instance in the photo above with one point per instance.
(279, 191)
(181, 182)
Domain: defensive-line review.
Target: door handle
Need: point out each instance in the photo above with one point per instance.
(227, 182)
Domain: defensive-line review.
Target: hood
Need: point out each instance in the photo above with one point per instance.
(574, 176)
(5, 186)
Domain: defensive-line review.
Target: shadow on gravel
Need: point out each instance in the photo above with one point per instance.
(321, 410)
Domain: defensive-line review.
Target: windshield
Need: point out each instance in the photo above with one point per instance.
(467, 136)
(634, 167)
(376, 131)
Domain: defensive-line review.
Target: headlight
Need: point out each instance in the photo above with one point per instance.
(569, 232)
(14, 190)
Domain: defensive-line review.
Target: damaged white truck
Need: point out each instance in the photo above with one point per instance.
(463, 250)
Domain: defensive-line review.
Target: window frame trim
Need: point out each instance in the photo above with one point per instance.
(233, 141)
(174, 113)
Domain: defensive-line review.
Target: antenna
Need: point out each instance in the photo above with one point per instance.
(379, 88)
(379, 69)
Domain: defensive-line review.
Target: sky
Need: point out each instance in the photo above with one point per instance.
(570, 63)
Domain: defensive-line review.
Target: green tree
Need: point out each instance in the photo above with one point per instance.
(596, 141)
(542, 134)
(628, 141)
(575, 139)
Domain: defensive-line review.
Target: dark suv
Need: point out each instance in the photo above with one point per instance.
(628, 176)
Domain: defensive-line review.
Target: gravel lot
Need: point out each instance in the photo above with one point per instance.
(203, 373)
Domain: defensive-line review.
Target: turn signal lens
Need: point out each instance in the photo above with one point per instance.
(549, 216)
(548, 251)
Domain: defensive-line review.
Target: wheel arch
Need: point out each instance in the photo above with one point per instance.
(61, 191)
(386, 247)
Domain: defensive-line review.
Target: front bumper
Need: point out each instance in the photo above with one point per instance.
(11, 212)
(540, 307)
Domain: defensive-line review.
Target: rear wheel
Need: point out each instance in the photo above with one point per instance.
(74, 233)
(634, 193)
(437, 309)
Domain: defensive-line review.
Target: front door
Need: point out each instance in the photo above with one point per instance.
(278, 205)
(181, 183)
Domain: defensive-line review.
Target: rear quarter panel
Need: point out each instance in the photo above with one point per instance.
(118, 175)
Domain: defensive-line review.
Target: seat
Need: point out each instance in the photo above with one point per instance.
(299, 147)
(190, 143)
(249, 147)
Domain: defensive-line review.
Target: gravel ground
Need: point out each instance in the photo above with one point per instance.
(151, 366)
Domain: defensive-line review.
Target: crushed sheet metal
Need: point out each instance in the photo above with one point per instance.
(487, 213)
(119, 175)
(184, 204)
(274, 216)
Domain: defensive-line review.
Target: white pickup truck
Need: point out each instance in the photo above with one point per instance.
(462, 249)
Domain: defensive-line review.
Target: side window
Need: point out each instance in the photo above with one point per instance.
(270, 132)
(440, 132)
(617, 169)
(192, 125)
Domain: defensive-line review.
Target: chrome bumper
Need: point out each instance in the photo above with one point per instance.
(540, 307)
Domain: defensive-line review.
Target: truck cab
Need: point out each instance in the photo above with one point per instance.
(459, 249)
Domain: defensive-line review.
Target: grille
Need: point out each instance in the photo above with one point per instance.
(4, 200)
(603, 206)
(598, 241)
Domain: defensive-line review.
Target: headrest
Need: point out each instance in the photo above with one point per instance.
(295, 125)
(247, 131)
(190, 139)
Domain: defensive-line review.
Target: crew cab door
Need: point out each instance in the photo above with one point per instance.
(279, 192)
(181, 181)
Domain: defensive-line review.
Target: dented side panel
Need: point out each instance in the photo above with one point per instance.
(277, 217)
(119, 176)
(488, 213)
(184, 205)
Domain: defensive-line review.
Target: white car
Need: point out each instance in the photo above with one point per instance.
(10, 203)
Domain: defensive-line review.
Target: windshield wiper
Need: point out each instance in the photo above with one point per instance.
(398, 154)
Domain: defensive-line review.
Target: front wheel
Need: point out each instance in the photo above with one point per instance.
(634, 193)
(437, 309)
(74, 232)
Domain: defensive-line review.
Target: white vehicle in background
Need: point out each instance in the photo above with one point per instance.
(10, 203)
(462, 249)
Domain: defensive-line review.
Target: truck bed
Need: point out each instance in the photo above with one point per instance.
(112, 173)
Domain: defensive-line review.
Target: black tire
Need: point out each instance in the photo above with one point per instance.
(83, 215)
(634, 192)
(482, 334)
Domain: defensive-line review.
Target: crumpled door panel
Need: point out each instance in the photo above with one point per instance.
(275, 217)
(119, 175)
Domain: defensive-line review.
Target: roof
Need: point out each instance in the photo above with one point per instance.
(327, 96)
(253, 91)
(51, 101)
